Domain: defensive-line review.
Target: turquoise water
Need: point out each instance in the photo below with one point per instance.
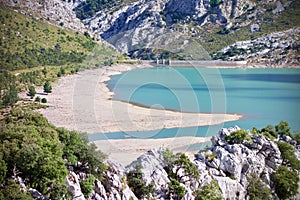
(262, 96)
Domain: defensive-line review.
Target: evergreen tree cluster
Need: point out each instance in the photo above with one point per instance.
(41, 155)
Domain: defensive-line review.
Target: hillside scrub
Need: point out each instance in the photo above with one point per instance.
(257, 189)
(210, 191)
(286, 182)
(238, 136)
(36, 151)
(288, 155)
(138, 185)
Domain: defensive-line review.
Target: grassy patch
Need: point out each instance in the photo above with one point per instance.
(26, 42)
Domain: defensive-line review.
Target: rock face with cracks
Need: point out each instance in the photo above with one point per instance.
(229, 164)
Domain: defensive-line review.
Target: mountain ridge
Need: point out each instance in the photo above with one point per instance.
(214, 24)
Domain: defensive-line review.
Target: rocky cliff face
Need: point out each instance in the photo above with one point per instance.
(276, 48)
(206, 11)
(56, 11)
(229, 164)
(137, 24)
(131, 25)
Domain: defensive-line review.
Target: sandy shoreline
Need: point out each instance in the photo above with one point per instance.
(82, 102)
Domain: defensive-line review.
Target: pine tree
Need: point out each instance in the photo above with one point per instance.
(47, 87)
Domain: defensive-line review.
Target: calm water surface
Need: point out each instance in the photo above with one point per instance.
(262, 96)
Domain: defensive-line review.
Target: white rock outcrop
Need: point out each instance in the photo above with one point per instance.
(230, 164)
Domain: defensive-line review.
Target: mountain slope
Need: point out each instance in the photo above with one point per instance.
(134, 25)
(27, 42)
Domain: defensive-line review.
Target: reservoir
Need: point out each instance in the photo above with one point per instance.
(262, 95)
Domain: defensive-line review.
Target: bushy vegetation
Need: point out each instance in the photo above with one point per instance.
(87, 185)
(77, 149)
(35, 150)
(37, 99)
(296, 137)
(138, 185)
(288, 155)
(26, 61)
(273, 132)
(214, 3)
(44, 100)
(31, 146)
(39, 57)
(238, 136)
(269, 131)
(210, 191)
(176, 191)
(31, 91)
(210, 156)
(12, 190)
(47, 87)
(286, 182)
(257, 189)
(283, 129)
(8, 89)
(90, 7)
(51, 45)
(175, 163)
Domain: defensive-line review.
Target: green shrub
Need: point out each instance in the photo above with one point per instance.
(44, 100)
(11, 96)
(180, 161)
(288, 155)
(108, 62)
(11, 190)
(177, 190)
(37, 99)
(269, 130)
(283, 129)
(27, 136)
(3, 169)
(210, 191)
(257, 189)
(238, 137)
(296, 137)
(169, 157)
(87, 185)
(47, 87)
(78, 149)
(137, 184)
(210, 156)
(214, 3)
(286, 182)
(31, 91)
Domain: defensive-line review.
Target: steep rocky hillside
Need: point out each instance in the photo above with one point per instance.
(138, 27)
(214, 24)
(275, 48)
(239, 165)
(56, 11)
(29, 39)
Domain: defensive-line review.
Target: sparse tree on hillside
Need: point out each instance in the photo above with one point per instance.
(286, 182)
(11, 96)
(257, 189)
(47, 87)
(283, 129)
(31, 91)
(209, 191)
